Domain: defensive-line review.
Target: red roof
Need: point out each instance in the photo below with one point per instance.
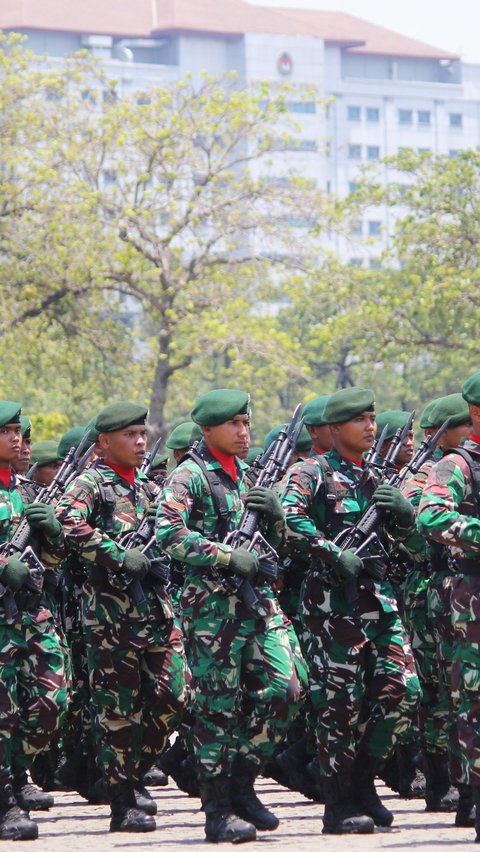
(143, 18)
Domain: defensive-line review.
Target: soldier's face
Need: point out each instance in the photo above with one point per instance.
(10, 443)
(407, 449)
(356, 436)
(321, 437)
(231, 437)
(451, 437)
(125, 447)
(22, 463)
(45, 473)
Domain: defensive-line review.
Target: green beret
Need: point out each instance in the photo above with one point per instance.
(471, 389)
(119, 415)
(44, 452)
(313, 411)
(160, 460)
(425, 420)
(9, 412)
(218, 406)
(395, 418)
(304, 443)
(70, 439)
(452, 407)
(25, 426)
(347, 403)
(92, 432)
(252, 454)
(184, 435)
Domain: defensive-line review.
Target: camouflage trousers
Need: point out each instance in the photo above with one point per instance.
(138, 682)
(245, 684)
(465, 743)
(363, 687)
(33, 692)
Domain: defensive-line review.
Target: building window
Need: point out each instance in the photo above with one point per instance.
(374, 228)
(356, 227)
(373, 114)
(423, 116)
(357, 262)
(373, 152)
(302, 106)
(405, 116)
(354, 113)
(456, 119)
(354, 152)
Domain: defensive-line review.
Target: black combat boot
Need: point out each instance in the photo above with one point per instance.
(222, 825)
(363, 783)
(440, 796)
(15, 823)
(246, 803)
(180, 764)
(155, 776)
(465, 815)
(144, 800)
(293, 773)
(476, 802)
(126, 816)
(343, 814)
(411, 780)
(28, 796)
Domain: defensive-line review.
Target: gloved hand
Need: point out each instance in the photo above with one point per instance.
(244, 562)
(391, 499)
(15, 574)
(265, 500)
(42, 518)
(348, 565)
(135, 564)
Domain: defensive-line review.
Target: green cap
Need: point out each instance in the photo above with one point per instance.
(313, 411)
(347, 403)
(184, 435)
(304, 443)
(70, 439)
(25, 426)
(119, 415)
(44, 452)
(471, 389)
(92, 432)
(9, 412)
(452, 407)
(160, 460)
(252, 454)
(395, 418)
(425, 421)
(218, 406)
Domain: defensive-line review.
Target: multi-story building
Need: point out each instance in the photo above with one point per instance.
(384, 91)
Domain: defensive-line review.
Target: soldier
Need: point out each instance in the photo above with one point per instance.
(22, 463)
(449, 513)
(136, 660)
(45, 462)
(181, 439)
(302, 448)
(32, 678)
(241, 659)
(357, 645)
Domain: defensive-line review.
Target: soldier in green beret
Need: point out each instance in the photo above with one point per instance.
(303, 446)
(240, 656)
(22, 463)
(182, 437)
(135, 651)
(396, 419)
(32, 678)
(348, 638)
(46, 462)
(316, 426)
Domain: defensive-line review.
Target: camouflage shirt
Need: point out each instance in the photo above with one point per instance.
(448, 512)
(312, 526)
(81, 511)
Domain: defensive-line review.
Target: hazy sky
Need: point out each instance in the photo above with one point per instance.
(453, 26)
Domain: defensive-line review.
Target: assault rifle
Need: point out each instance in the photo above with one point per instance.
(18, 545)
(363, 537)
(144, 538)
(374, 456)
(271, 467)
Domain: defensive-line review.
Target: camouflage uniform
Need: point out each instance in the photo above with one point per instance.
(136, 661)
(33, 693)
(348, 639)
(448, 514)
(243, 667)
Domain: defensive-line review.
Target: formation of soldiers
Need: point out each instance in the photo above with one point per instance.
(307, 610)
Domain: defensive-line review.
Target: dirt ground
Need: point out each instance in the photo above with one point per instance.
(73, 826)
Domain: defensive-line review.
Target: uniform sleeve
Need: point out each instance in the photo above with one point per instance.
(173, 534)
(298, 491)
(74, 511)
(438, 518)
